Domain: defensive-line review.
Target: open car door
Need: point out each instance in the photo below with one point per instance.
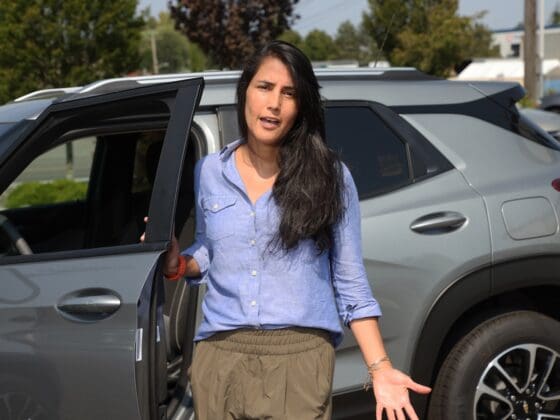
(79, 328)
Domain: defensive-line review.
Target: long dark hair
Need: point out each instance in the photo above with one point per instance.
(308, 188)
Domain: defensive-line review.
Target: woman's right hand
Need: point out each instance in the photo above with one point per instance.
(171, 261)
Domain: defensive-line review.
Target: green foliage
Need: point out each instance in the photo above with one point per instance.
(527, 102)
(355, 44)
(293, 37)
(349, 43)
(53, 43)
(428, 35)
(555, 17)
(175, 53)
(36, 193)
(319, 46)
(230, 31)
(480, 44)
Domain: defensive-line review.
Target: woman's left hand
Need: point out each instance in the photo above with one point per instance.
(390, 387)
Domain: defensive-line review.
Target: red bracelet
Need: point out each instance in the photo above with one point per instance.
(181, 269)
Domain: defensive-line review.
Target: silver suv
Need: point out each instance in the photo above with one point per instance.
(460, 197)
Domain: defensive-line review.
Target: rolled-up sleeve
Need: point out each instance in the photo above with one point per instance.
(352, 290)
(199, 249)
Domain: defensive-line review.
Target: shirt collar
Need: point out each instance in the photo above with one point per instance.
(227, 151)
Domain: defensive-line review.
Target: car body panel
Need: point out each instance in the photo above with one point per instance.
(78, 354)
(527, 172)
(405, 282)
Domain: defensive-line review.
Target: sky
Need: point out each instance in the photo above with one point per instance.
(328, 14)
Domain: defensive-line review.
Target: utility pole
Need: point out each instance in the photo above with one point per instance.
(540, 90)
(154, 53)
(530, 56)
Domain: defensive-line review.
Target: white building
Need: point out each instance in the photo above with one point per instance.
(510, 42)
(510, 70)
(510, 67)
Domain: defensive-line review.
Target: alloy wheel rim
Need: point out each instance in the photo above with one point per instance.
(521, 383)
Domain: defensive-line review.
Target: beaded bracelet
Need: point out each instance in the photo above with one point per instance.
(181, 270)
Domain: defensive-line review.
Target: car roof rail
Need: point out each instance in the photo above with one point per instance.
(227, 76)
(119, 83)
(374, 73)
(48, 93)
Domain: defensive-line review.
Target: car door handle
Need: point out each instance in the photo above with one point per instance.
(437, 223)
(89, 305)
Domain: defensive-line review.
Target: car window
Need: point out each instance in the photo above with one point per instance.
(376, 157)
(86, 193)
(59, 175)
(146, 157)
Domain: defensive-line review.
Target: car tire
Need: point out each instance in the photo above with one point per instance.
(507, 367)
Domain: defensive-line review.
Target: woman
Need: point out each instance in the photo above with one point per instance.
(278, 243)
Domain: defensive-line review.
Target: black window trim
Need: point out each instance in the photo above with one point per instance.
(424, 160)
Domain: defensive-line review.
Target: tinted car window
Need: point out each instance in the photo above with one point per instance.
(68, 164)
(374, 154)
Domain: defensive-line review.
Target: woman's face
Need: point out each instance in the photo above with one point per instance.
(270, 104)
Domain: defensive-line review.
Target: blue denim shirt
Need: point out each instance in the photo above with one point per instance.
(249, 285)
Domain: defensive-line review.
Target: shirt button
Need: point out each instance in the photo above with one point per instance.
(215, 206)
(253, 303)
(254, 272)
(252, 242)
(252, 214)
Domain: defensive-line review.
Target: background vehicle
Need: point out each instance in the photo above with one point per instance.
(551, 102)
(459, 197)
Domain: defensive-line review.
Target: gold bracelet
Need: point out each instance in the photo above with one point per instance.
(372, 367)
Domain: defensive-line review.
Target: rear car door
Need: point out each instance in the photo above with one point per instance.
(80, 326)
(423, 226)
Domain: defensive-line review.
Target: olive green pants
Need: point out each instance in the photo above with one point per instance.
(264, 374)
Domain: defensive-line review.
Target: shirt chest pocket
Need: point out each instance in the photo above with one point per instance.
(219, 214)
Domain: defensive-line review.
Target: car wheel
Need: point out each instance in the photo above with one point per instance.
(506, 368)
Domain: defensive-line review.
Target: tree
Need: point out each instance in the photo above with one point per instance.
(293, 37)
(231, 30)
(481, 41)
(387, 18)
(355, 44)
(319, 46)
(427, 34)
(175, 53)
(53, 43)
(555, 17)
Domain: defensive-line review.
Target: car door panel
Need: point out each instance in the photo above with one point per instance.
(407, 268)
(59, 348)
(82, 356)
